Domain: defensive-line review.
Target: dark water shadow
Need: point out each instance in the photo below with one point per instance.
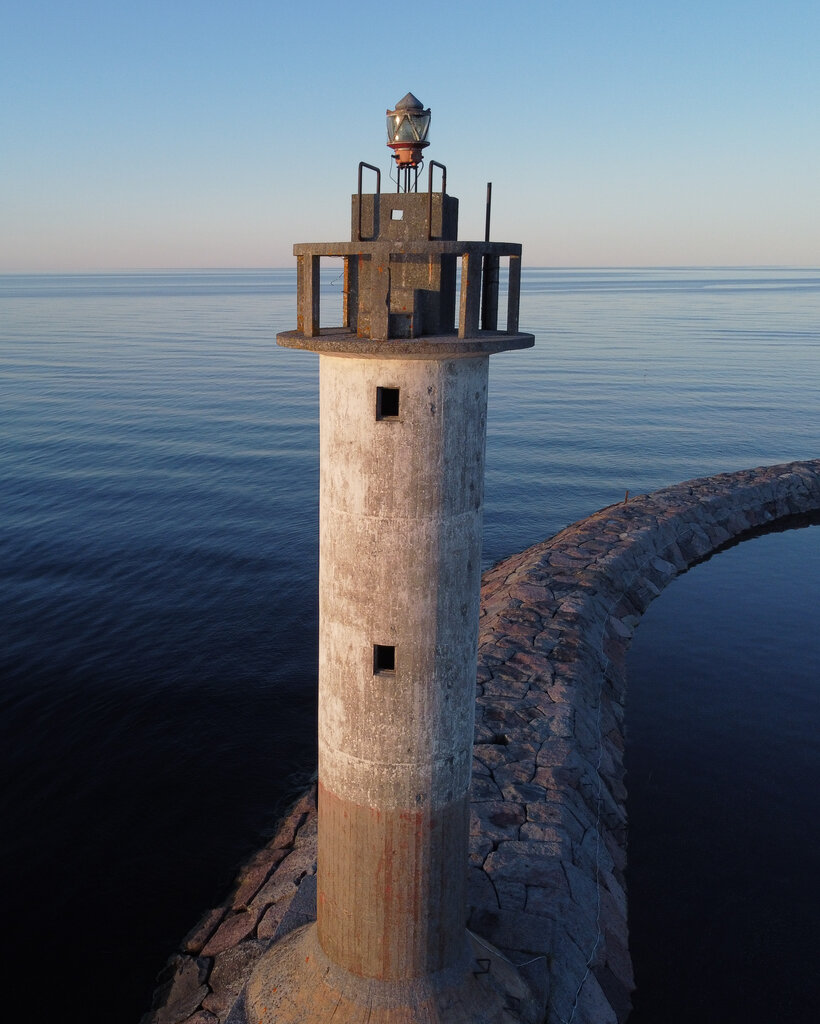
(723, 757)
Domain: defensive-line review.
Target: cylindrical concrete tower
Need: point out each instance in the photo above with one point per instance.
(400, 550)
(403, 403)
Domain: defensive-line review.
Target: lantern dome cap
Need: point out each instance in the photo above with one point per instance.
(409, 102)
(408, 125)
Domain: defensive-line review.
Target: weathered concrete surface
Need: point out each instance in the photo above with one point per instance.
(400, 273)
(402, 473)
(400, 567)
(548, 831)
(482, 988)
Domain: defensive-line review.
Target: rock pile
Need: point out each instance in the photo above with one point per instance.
(548, 832)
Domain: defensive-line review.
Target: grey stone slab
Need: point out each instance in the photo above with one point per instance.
(618, 960)
(480, 890)
(203, 930)
(514, 773)
(543, 833)
(531, 862)
(254, 877)
(515, 929)
(484, 788)
(232, 931)
(479, 849)
(229, 975)
(301, 908)
(511, 895)
(548, 901)
(496, 820)
(183, 993)
(593, 1005)
(270, 920)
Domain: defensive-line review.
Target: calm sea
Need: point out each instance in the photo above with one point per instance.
(158, 550)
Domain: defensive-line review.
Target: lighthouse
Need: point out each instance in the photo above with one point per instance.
(403, 409)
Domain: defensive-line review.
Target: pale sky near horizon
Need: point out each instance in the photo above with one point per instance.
(216, 133)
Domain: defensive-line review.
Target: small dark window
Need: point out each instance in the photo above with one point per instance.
(384, 659)
(387, 403)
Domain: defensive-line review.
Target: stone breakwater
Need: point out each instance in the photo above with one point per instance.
(548, 832)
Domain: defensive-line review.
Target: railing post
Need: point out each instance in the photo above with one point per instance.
(470, 295)
(513, 294)
(309, 305)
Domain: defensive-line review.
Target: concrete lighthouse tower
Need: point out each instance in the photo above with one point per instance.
(403, 403)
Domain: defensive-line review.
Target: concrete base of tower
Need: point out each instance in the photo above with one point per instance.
(295, 983)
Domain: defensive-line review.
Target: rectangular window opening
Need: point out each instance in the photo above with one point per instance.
(387, 403)
(384, 659)
(331, 291)
(397, 214)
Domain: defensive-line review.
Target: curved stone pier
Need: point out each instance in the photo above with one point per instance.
(548, 834)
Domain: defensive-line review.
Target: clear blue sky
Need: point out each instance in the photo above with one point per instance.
(215, 133)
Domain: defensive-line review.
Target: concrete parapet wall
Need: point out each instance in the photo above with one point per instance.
(548, 800)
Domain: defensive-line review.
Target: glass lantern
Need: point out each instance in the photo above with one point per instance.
(407, 128)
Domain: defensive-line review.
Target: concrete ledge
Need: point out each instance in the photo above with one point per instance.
(342, 341)
(548, 834)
